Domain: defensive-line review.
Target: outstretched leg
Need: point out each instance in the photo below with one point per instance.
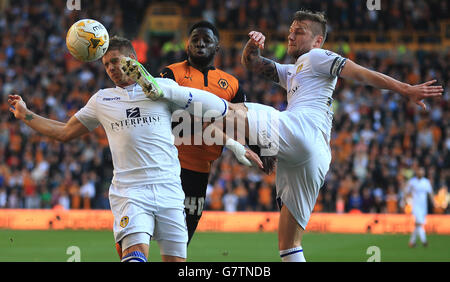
(197, 102)
(290, 235)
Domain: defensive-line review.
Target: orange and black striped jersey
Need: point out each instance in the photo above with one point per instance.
(200, 157)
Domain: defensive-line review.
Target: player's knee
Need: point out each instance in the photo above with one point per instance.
(135, 247)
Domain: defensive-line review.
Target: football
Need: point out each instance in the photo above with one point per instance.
(87, 40)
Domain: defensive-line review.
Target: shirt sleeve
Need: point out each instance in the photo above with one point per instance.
(167, 73)
(168, 84)
(326, 63)
(282, 71)
(88, 114)
(240, 96)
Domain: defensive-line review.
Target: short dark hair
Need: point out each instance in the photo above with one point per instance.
(205, 24)
(122, 44)
(316, 17)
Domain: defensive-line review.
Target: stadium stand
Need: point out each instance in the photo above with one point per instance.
(377, 137)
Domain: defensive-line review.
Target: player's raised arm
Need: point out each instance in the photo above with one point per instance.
(60, 131)
(252, 59)
(415, 93)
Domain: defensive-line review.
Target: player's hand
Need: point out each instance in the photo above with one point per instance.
(243, 154)
(257, 39)
(417, 93)
(253, 157)
(18, 106)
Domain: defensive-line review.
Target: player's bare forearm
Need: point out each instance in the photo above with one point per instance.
(372, 78)
(415, 93)
(51, 128)
(251, 55)
(252, 59)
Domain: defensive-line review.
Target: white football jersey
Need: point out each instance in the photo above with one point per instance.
(310, 83)
(419, 188)
(139, 133)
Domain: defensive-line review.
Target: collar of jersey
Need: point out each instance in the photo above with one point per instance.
(208, 68)
(301, 57)
(127, 90)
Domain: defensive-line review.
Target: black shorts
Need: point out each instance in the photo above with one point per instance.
(194, 186)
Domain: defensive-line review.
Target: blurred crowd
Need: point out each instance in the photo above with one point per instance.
(343, 15)
(377, 140)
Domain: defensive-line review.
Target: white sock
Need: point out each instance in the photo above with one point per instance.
(422, 235)
(192, 100)
(292, 255)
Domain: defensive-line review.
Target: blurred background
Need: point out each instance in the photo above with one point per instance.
(377, 140)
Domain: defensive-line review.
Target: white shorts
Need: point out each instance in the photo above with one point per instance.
(303, 153)
(155, 209)
(419, 215)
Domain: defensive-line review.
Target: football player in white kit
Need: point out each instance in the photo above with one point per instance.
(305, 127)
(419, 187)
(300, 136)
(146, 197)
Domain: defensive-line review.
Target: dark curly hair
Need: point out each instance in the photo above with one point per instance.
(205, 24)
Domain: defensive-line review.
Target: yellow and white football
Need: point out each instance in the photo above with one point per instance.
(87, 40)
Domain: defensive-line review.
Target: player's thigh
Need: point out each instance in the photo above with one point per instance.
(236, 123)
(170, 225)
(298, 185)
(171, 232)
(132, 211)
(299, 138)
(419, 216)
(172, 251)
(262, 125)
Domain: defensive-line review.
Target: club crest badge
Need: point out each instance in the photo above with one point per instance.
(124, 221)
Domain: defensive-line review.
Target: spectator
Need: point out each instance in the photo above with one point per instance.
(230, 200)
(3, 197)
(355, 200)
(87, 190)
(391, 200)
(216, 198)
(375, 142)
(265, 197)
